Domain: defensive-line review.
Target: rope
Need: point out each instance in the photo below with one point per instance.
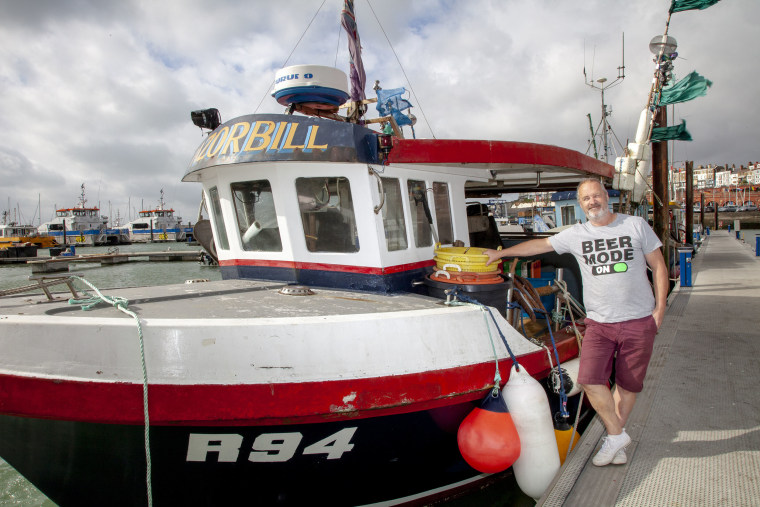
(562, 395)
(497, 375)
(403, 71)
(571, 303)
(461, 297)
(575, 424)
(121, 304)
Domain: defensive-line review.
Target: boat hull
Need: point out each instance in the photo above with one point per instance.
(403, 458)
(412, 453)
(89, 237)
(269, 399)
(156, 236)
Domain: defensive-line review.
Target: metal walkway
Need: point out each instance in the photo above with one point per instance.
(696, 426)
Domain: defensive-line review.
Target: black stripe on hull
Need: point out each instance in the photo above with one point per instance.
(373, 460)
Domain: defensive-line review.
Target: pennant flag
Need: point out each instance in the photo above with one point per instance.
(674, 133)
(688, 88)
(688, 5)
(358, 78)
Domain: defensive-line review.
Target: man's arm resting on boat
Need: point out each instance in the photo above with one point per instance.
(524, 249)
(660, 280)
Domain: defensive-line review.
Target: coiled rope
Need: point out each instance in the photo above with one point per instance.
(121, 304)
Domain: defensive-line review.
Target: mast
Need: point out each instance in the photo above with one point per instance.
(356, 67)
(604, 124)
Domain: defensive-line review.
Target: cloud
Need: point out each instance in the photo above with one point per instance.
(101, 93)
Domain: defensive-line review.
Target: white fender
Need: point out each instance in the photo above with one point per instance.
(623, 178)
(539, 457)
(571, 367)
(640, 181)
(639, 151)
(642, 130)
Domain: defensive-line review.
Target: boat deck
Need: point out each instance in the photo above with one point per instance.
(696, 426)
(221, 299)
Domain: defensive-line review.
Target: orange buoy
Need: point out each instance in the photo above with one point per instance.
(563, 432)
(488, 438)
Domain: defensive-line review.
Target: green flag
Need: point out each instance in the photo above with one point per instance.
(688, 88)
(688, 5)
(674, 133)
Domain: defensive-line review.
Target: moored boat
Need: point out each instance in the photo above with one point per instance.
(13, 234)
(325, 367)
(80, 226)
(156, 225)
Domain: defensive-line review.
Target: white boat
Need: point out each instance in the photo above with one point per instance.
(156, 225)
(326, 367)
(80, 226)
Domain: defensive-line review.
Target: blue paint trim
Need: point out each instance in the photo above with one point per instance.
(155, 231)
(394, 282)
(91, 232)
(298, 94)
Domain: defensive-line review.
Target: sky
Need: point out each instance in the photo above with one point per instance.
(99, 92)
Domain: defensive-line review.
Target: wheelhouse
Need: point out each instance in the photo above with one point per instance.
(321, 202)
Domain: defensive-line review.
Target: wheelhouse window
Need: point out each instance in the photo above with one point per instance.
(443, 212)
(568, 215)
(393, 215)
(216, 206)
(421, 216)
(327, 214)
(256, 216)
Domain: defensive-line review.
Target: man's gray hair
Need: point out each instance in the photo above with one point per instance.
(587, 180)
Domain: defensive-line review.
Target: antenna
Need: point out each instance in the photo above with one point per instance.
(604, 128)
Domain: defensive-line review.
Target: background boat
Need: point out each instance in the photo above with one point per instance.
(156, 225)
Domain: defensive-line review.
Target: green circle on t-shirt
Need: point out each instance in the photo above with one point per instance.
(620, 267)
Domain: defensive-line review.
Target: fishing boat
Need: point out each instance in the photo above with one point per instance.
(80, 226)
(13, 234)
(336, 359)
(156, 225)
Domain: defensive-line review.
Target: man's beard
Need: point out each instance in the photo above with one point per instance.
(597, 215)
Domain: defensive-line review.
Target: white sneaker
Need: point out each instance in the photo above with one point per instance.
(611, 444)
(620, 458)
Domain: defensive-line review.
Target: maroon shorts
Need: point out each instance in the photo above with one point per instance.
(632, 340)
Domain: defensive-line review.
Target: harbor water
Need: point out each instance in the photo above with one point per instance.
(14, 489)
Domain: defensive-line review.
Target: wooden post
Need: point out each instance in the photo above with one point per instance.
(689, 203)
(660, 215)
(715, 209)
(702, 210)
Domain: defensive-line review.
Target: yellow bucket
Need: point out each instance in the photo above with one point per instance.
(463, 258)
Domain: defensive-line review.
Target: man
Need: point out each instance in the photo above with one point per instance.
(623, 314)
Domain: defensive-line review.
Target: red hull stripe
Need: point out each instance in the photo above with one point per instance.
(262, 404)
(462, 151)
(328, 267)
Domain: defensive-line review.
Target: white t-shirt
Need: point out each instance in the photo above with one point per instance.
(613, 266)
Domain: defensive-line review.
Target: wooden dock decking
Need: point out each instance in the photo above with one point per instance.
(61, 263)
(696, 426)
